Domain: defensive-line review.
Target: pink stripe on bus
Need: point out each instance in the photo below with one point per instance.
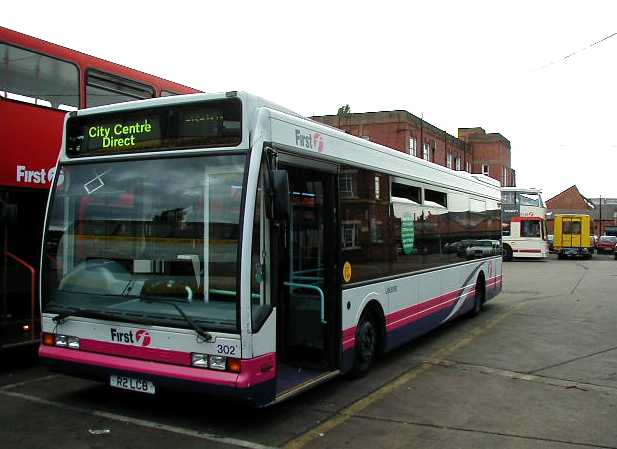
(421, 307)
(136, 352)
(257, 370)
(413, 313)
(233, 380)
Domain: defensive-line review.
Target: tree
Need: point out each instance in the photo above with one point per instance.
(344, 112)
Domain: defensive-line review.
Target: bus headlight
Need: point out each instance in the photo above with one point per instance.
(218, 362)
(199, 360)
(73, 342)
(62, 341)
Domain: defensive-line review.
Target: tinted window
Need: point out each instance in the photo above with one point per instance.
(33, 78)
(365, 239)
(388, 234)
(103, 88)
(409, 192)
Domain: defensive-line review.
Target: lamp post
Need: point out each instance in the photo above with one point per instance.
(600, 231)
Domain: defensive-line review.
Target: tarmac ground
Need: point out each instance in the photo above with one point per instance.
(536, 369)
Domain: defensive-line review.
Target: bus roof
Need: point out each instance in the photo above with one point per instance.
(16, 38)
(521, 189)
(286, 124)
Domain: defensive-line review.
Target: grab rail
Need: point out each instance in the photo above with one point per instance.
(32, 287)
(311, 287)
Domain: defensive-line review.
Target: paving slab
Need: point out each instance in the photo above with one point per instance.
(369, 433)
(474, 401)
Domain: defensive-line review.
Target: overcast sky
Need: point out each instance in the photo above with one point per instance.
(460, 64)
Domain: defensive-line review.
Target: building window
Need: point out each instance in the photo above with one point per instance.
(376, 187)
(505, 177)
(413, 148)
(449, 161)
(350, 235)
(458, 163)
(426, 152)
(468, 166)
(346, 182)
(485, 170)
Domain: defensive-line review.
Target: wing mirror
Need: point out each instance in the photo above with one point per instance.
(280, 195)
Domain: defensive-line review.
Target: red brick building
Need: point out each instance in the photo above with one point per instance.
(403, 131)
(491, 154)
(603, 211)
(570, 201)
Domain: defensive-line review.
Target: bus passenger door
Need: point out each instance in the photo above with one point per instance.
(305, 281)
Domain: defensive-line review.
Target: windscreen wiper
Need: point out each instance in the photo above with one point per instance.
(86, 313)
(207, 336)
(90, 313)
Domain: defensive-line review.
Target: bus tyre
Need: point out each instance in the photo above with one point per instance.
(507, 253)
(366, 346)
(480, 296)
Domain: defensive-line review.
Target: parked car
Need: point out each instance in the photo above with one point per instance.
(615, 251)
(483, 248)
(606, 244)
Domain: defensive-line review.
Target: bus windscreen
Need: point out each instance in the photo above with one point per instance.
(215, 123)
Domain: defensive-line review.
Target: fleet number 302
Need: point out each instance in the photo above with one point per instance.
(226, 349)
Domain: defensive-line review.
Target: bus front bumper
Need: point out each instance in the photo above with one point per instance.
(575, 251)
(100, 367)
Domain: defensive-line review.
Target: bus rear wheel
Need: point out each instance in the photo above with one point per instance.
(366, 346)
(480, 296)
(507, 253)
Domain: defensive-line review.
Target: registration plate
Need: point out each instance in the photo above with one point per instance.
(130, 383)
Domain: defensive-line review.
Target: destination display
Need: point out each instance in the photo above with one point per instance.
(215, 123)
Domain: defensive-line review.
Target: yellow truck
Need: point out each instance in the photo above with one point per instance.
(572, 235)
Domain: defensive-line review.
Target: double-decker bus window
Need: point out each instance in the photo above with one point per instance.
(168, 93)
(104, 88)
(38, 79)
(508, 198)
(529, 199)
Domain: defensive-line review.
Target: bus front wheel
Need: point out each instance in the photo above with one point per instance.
(366, 346)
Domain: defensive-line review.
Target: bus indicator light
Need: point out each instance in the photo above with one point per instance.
(49, 340)
(234, 365)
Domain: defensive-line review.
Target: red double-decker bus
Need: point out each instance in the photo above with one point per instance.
(39, 83)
